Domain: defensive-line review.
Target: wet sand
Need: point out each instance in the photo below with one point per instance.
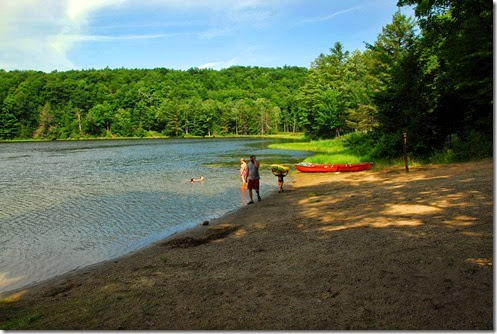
(370, 250)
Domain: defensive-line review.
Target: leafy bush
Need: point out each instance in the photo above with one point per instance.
(359, 142)
(474, 146)
(388, 145)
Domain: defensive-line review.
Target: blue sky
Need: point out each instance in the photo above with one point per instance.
(61, 35)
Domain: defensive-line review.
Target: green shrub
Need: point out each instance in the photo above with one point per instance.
(358, 142)
(472, 147)
(387, 146)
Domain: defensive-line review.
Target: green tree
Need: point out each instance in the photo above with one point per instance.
(198, 102)
(170, 115)
(267, 115)
(46, 124)
(9, 124)
(458, 64)
(99, 119)
(401, 106)
(334, 88)
(208, 117)
(121, 123)
(329, 114)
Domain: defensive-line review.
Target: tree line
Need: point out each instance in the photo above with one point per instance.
(430, 76)
(143, 102)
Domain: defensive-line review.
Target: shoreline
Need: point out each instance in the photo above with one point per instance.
(181, 232)
(34, 285)
(290, 136)
(370, 250)
(25, 264)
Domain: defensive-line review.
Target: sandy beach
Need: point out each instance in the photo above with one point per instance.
(371, 250)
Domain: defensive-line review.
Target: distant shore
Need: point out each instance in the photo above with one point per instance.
(371, 250)
(289, 135)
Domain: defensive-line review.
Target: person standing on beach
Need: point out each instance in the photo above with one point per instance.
(253, 178)
(243, 171)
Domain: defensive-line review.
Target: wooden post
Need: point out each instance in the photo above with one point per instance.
(404, 147)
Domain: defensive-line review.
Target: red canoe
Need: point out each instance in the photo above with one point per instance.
(305, 167)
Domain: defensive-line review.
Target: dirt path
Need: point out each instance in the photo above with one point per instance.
(369, 250)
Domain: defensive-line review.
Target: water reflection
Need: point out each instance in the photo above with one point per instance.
(6, 279)
(243, 195)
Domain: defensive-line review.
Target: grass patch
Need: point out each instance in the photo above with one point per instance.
(21, 322)
(356, 147)
(334, 159)
(342, 150)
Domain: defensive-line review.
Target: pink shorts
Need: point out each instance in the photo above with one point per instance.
(253, 184)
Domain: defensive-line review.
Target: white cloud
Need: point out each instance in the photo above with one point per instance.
(37, 34)
(245, 56)
(327, 17)
(217, 65)
(77, 11)
(25, 35)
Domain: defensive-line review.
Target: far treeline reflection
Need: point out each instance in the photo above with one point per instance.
(430, 76)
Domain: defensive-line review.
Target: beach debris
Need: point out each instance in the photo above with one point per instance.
(211, 234)
(205, 223)
(65, 287)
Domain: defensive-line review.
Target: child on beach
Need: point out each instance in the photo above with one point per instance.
(243, 171)
(280, 176)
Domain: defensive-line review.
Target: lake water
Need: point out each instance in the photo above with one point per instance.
(65, 205)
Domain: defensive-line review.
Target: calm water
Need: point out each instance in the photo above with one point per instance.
(65, 205)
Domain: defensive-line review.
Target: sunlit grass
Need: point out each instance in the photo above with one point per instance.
(328, 151)
(334, 159)
(328, 146)
(349, 149)
(21, 322)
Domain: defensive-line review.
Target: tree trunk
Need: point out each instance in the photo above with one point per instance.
(266, 120)
(78, 115)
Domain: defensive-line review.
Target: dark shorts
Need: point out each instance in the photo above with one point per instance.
(253, 184)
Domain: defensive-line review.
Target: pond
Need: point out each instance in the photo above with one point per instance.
(65, 205)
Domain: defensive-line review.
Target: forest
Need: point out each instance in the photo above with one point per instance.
(430, 76)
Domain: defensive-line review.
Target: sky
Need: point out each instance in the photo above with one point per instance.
(48, 35)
